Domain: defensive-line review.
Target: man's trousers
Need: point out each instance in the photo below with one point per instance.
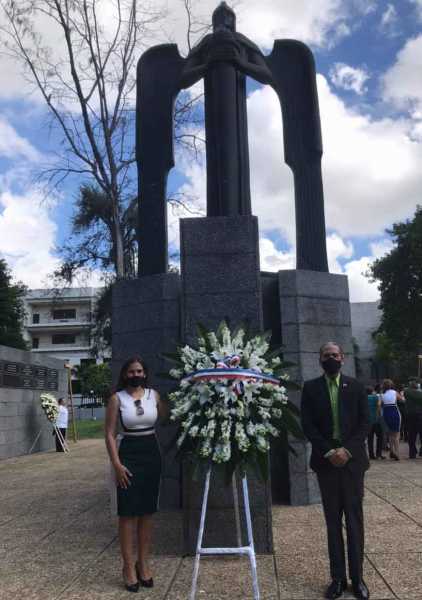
(342, 494)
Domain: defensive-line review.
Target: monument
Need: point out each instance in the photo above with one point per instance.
(220, 273)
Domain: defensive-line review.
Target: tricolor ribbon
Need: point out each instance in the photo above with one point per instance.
(240, 374)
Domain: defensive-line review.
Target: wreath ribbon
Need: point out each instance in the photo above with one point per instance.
(240, 374)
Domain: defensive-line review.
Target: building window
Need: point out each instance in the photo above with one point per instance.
(35, 342)
(35, 318)
(63, 338)
(86, 362)
(64, 313)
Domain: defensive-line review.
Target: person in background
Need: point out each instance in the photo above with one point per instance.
(135, 456)
(61, 423)
(401, 405)
(374, 403)
(413, 397)
(391, 416)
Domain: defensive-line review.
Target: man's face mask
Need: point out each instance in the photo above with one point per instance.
(331, 365)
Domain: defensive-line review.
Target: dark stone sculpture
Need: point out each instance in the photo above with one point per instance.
(224, 58)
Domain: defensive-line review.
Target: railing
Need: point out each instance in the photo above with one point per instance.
(92, 401)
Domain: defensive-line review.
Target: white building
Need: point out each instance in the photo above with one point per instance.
(60, 325)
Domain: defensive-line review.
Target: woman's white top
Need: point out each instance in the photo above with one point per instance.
(389, 398)
(62, 417)
(131, 423)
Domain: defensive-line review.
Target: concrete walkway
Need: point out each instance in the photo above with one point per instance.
(57, 539)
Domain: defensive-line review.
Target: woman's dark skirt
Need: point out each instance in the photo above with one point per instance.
(141, 455)
(392, 417)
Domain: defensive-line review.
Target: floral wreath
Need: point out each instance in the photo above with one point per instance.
(50, 406)
(231, 399)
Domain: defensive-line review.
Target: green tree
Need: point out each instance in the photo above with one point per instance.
(12, 311)
(95, 379)
(399, 274)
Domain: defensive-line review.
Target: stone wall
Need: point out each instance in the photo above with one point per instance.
(21, 416)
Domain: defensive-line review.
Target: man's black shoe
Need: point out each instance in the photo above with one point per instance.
(336, 589)
(360, 590)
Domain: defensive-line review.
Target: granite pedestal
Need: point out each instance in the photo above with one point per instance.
(146, 322)
(221, 279)
(314, 308)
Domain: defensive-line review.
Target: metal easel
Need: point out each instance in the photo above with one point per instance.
(248, 549)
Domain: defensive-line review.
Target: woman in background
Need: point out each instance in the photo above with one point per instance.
(391, 416)
(374, 402)
(135, 456)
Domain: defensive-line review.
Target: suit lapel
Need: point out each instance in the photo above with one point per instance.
(342, 404)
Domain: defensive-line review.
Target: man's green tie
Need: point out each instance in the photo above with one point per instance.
(333, 391)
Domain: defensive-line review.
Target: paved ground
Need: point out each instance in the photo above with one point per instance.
(57, 539)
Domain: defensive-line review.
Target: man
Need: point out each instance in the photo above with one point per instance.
(413, 397)
(335, 419)
(61, 424)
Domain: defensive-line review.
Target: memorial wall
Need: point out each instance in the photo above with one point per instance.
(23, 377)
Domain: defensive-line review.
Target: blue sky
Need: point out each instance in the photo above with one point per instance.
(369, 58)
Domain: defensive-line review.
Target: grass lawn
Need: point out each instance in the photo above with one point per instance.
(88, 429)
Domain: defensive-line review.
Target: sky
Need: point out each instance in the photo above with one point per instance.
(368, 56)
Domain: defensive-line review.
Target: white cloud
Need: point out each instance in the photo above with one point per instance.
(418, 6)
(337, 248)
(27, 234)
(272, 259)
(12, 145)
(349, 78)
(389, 18)
(401, 83)
(361, 288)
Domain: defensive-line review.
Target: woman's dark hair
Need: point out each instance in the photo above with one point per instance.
(60, 401)
(377, 388)
(122, 381)
(369, 390)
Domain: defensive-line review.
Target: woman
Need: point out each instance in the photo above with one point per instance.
(374, 403)
(135, 456)
(392, 416)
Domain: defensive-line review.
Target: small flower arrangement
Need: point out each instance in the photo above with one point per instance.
(231, 399)
(50, 406)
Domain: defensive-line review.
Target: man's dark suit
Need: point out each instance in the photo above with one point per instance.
(341, 487)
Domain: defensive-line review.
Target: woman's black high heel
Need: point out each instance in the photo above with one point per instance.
(130, 587)
(147, 583)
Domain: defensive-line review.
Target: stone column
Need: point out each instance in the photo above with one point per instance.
(221, 279)
(146, 322)
(315, 308)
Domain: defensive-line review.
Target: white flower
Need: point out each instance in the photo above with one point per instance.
(262, 443)
(222, 452)
(176, 373)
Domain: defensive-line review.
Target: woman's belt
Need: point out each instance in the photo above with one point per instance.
(139, 431)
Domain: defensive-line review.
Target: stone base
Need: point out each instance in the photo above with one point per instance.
(146, 322)
(315, 309)
(221, 279)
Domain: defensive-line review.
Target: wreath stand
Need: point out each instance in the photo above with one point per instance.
(249, 549)
(58, 433)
